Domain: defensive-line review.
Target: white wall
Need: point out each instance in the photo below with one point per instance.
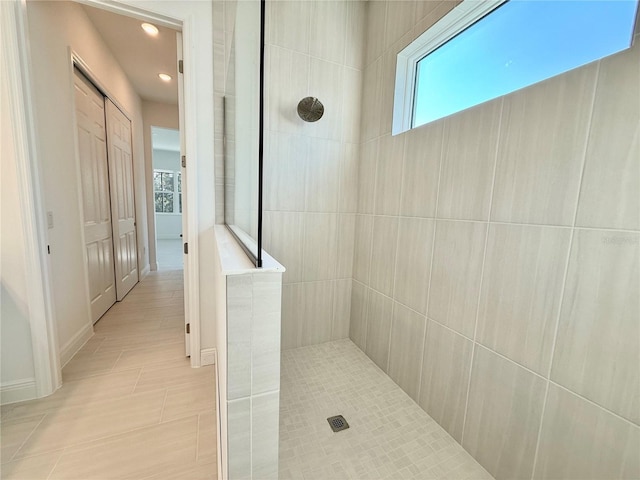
(163, 115)
(168, 225)
(53, 28)
(16, 355)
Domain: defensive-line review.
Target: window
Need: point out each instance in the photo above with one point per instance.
(483, 50)
(167, 191)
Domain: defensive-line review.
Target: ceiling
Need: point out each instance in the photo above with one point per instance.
(141, 56)
(165, 139)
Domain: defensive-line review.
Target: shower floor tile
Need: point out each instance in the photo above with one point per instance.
(390, 436)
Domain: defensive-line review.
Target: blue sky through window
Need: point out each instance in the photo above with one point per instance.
(520, 43)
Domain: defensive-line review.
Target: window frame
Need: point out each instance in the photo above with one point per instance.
(177, 205)
(453, 23)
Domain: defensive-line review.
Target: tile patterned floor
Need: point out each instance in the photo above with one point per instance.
(169, 253)
(130, 405)
(390, 436)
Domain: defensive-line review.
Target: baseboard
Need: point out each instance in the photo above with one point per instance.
(208, 356)
(153, 266)
(76, 343)
(145, 271)
(18, 391)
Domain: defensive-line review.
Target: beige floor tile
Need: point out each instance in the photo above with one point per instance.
(37, 467)
(88, 364)
(206, 437)
(13, 434)
(187, 400)
(150, 356)
(157, 377)
(134, 455)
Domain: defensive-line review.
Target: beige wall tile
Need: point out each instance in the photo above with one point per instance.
(597, 349)
(323, 167)
(389, 175)
(469, 155)
(284, 172)
(320, 246)
(581, 440)
(265, 333)
(400, 18)
(362, 250)
(542, 149)
(346, 230)
(376, 19)
(239, 438)
(264, 435)
(379, 310)
(349, 165)
(351, 104)
(355, 47)
(367, 176)
(503, 416)
(341, 309)
(371, 99)
(415, 240)
(289, 24)
(358, 320)
(383, 253)
(610, 193)
(456, 272)
(317, 312)
(325, 82)
(239, 313)
(328, 30)
(405, 352)
(282, 238)
(521, 291)
(292, 315)
(422, 154)
(445, 377)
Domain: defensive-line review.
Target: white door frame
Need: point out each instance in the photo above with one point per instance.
(41, 312)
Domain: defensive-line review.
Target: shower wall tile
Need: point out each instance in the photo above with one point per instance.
(362, 250)
(341, 309)
(359, 315)
(467, 166)
(317, 312)
(352, 103)
(346, 229)
(292, 315)
(289, 24)
(371, 99)
(239, 438)
(422, 154)
(379, 309)
(328, 30)
(287, 84)
(284, 173)
(349, 164)
(355, 46)
(542, 149)
(376, 19)
(598, 345)
(323, 164)
(383, 254)
(574, 432)
(445, 377)
(610, 194)
(282, 237)
(405, 351)
(239, 311)
(320, 246)
(415, 241)
(521, 291)
(456, 271)
(389, 175)
(429, 12)
(265, 416)
(325, 82)
(367, 176)
(503, 415)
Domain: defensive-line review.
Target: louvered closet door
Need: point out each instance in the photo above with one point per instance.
(122, 199)
(92, 152)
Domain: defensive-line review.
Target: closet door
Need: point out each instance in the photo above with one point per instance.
(92, 153)
(122, 199)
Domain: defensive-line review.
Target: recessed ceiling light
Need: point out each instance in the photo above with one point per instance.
(150, 29)
(164, 77)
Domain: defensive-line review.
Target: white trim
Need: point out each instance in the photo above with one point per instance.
(461, 17)
(18, 391)
(145, 271)
(208, 356)
(168, 236)
(75, 343)
(16, 67)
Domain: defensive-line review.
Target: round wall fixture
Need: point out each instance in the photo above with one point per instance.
(310, 109)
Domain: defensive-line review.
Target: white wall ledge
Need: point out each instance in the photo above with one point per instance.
(233, 259)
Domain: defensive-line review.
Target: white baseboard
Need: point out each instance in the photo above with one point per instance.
(76, 343)
(145, 271)
(153, 266)
(18, 391)
(208, 356)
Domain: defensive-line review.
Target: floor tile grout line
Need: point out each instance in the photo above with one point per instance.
(28, 437)
(164, 402)
(56, 464)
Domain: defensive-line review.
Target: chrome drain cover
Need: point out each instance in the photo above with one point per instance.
(338, 423)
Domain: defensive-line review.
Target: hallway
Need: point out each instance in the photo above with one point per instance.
(130, 405)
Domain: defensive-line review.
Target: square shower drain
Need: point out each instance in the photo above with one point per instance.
(338, 423)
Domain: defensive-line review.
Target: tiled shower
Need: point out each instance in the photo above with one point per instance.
(488, 262)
